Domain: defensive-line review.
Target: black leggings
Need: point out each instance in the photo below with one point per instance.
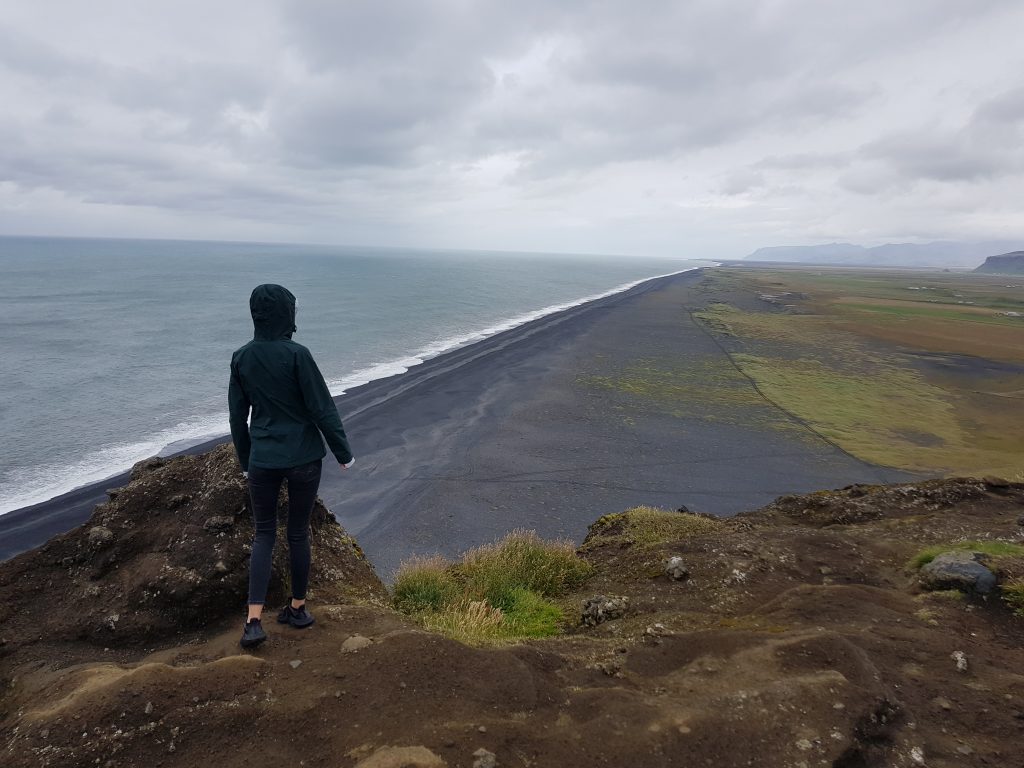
(264, 486)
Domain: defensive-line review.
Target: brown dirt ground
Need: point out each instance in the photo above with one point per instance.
(800, 639)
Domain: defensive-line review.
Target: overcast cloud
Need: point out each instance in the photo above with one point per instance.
(676, 128)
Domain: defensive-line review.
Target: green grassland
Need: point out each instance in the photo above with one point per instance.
(899, 377)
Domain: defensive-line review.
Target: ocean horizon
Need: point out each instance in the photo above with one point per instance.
(118, 349)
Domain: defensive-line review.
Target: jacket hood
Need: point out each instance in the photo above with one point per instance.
(273, 312)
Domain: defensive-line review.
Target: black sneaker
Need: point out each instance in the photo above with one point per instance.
(299, 618)
(253, 634)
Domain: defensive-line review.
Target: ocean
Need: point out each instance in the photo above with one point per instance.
(116, 350)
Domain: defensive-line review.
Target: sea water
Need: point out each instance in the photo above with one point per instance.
(114, 350)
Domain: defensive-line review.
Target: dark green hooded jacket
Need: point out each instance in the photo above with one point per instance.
(277, 379)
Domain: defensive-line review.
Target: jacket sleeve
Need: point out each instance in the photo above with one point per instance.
(238, 416)
(321, 407)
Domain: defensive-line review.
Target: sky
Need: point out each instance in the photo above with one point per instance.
(659, 128)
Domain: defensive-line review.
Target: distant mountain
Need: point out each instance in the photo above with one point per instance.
(1004, 264)
(936, 254)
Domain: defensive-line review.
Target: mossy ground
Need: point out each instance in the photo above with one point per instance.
(649, 527)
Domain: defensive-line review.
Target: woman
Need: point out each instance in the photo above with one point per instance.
(277, 380)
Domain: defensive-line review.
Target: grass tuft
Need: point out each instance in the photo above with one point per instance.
(469, 621)
(497, 592)
(521, 560)
(424, 584)
(995, 549)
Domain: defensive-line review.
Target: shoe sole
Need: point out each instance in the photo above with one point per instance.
(312, 621)
(252, 643)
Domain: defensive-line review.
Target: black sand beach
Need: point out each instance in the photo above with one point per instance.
(534, 428)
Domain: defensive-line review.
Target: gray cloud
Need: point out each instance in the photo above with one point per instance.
(326, 119)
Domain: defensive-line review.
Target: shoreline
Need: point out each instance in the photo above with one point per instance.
(32, 525)
(619, 402)
(175, 446)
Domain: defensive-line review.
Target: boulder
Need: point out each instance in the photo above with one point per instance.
(599, 609)
(676, 569)
(958, 570)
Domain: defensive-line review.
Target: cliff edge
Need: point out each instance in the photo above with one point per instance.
(1004, 264)
(818, 631)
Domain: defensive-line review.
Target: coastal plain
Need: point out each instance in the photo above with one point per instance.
(910, 369)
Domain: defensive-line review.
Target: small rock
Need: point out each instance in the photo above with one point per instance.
(958, 570)
(917, 755)
(149, 708)
(100, 536)
(961, 660)
(995, 482)
(942, 703)
(601, 608)
(295, 663)
(736, 577)
(402, 757)
(355, 643)
(484, 759)
(220, 567)
(963, 749)
(482, 729)
(176, 501)
(218, 523)
(676, 569)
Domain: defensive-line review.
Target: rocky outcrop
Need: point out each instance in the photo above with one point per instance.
(958, 570)
(1005, 264)
(166, 555)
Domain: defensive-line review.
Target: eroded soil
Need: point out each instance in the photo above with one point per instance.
(801, 638)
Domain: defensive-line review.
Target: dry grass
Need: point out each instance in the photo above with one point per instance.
(468, 621)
